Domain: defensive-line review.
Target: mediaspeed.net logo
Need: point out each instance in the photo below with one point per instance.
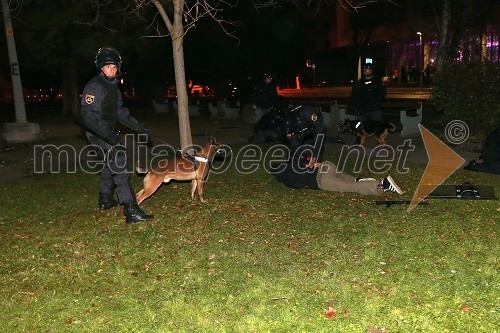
(442, 160)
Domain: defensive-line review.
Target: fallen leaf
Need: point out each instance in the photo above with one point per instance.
(21, 236)
(330, 312)
(465, 308)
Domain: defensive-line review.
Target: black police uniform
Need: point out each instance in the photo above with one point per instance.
(266, 129)
(490, 154)
(295, 174)
(101, 109)
(305, 126)
(265, 95)
(367, 96)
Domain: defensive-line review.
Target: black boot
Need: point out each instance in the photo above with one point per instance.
(134, 214)
(107, 202)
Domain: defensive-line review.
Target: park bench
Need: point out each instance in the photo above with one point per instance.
(196, 107)
(405, 115)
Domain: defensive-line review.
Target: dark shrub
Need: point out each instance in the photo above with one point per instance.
(469, 91)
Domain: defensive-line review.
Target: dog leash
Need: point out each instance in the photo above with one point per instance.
(157, 138)
(188, 156)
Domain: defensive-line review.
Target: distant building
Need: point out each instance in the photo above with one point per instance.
(396, 37)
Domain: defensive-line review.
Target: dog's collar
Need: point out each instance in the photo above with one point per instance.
(196, 158)
(200, 159)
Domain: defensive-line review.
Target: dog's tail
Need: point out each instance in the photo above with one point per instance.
(391, 127)
(140, 169)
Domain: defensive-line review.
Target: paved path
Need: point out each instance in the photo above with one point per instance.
(18, 160)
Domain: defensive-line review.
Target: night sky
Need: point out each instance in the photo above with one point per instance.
(269, 41)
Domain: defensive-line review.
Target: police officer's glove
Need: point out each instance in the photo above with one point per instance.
(112, 138)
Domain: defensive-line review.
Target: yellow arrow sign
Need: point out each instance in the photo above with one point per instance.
(443, 162)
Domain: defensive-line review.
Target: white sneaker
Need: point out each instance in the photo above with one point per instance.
(388, 184)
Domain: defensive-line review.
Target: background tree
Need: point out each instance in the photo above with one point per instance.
(461, 24)
(68, 31)
(62, 47)
(179, 16)
(466, 83)
(364, 20)
(443, 22)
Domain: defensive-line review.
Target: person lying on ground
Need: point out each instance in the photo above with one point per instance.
(307, 173)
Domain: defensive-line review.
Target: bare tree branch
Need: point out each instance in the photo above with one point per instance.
(346, 4)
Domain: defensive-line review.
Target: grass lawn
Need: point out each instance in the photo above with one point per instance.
(257, 257)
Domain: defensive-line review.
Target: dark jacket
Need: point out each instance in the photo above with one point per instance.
(265, 95)
(296, 175)
(102, 108)
(490, 152)
(367, 95)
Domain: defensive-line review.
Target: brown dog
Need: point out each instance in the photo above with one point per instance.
(367, 129)
(191, 167)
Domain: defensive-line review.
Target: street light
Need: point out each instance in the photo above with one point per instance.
(421, 46)
(314, 74)
(310, 64)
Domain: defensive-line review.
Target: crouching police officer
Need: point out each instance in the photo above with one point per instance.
(303, 125)
(101, 109)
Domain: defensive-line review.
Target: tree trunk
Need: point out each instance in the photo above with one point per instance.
(443, 34)
(176, 31)
(180, 84)
(70, 107)
(182, 97)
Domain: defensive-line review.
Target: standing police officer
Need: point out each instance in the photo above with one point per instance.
(368, 93)
(101, 109)
(265, 96)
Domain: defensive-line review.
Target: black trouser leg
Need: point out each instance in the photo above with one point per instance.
(124, 189)
(117, 164)
(107, 190)
(107, 185)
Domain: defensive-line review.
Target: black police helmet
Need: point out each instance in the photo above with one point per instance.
(107, 55)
